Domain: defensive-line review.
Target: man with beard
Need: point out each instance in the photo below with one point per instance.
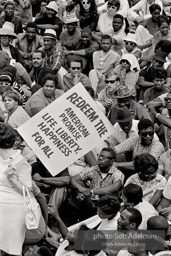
(147, 75)
(96, 181)
(158, 88)
(9, 8)
(39, 70)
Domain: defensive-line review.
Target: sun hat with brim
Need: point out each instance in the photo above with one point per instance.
(160, 55)
(71, 20)
(124, 92)
(53, 5)
(8, 30)
(123, 115)
(131, 38)
(50, 33)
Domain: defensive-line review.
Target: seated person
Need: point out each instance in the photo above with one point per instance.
(50, 19)
(71, 35)
(42, 9)
(144, 143)
(146, 76)
(75, 75)
(103, 61)
(85, 48)
(108, 210)
(131, 46)
(107, 96)
(140, 11)
(151, 182)
(103, 179)
(132, 196)
(118, 33)
(128, 70)
(124, 98)
(158, 88)
(54, 186)
(39, 70)
(151, 23)
(29, 41)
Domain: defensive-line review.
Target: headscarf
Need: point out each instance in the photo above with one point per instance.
(132, 60)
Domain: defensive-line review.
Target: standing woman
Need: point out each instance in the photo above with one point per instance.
(87, 14)
(12, 208)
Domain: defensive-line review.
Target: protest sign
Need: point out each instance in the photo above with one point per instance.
(66, 130)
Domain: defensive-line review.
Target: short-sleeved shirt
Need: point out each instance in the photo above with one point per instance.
(165, 163)
(151, 94)
(93, 174)
(167, 189)
(148, 187)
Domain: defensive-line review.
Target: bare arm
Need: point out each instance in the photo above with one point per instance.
(54, 181)
(164, 203)
(42, 202)
(90, 159)
(142, 83)
(107, 190)
(47, 26)
(163, 120)
(156, 197)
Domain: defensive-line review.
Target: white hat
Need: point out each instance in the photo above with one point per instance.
(53, 5)
(50, 33)
(71, 19)
(131, 38)
(7, 30)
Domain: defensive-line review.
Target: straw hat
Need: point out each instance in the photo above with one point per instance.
(50, 33)
(71, 18)
(8, 30)
(53, 5)
(131, 38)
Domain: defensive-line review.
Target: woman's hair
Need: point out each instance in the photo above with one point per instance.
(90, 90)
(164, 46)
(160, 73)
(44, 251)
(109, 204)
(154, 7)
(161, 19)
(51, 78)
(115, 3)
(5, 59)
(104, 37)
(75, 58)
(144, 124)
(133, 193)
(13, 95)
(93, 7)
(7, 136)
(144, 161)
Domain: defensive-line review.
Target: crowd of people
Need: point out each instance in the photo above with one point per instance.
(120, 50)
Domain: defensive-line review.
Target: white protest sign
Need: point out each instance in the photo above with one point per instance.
(66, 130)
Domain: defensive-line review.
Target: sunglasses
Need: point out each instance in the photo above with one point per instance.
(111, 6)
(167, 99)
(129, 43)
(75, 68)
(110, 81)
(124, 61)
(86, 2)
(145, 134)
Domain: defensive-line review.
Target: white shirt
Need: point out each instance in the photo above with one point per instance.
(167, 189)
(126, 253)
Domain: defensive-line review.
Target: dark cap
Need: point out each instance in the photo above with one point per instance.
(123, 115)
(160, 55)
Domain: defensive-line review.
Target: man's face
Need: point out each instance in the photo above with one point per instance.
(48, 43)
(159, 83)
(112, 83)
(50, 13)
(71, 27)
(75, 68)
(168, 101)
(126, 126)
(86, 38)
(124, 102)
(105, 159)
(106, 45)
(37, 59)
(157, 63)
(9, 10)
(129, 46)
(117, 24)
(5, 40)
(4, 86)
(31, 33)
(146, 136)
(123, 221)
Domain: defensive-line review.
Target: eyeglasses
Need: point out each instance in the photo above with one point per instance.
(145, 134)
(75, 68)
(124, 61)
(4, 37)
(129, 43)
(71, 24)
(86, 3)
(110, 81)
(167, 99)
(111, 6)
